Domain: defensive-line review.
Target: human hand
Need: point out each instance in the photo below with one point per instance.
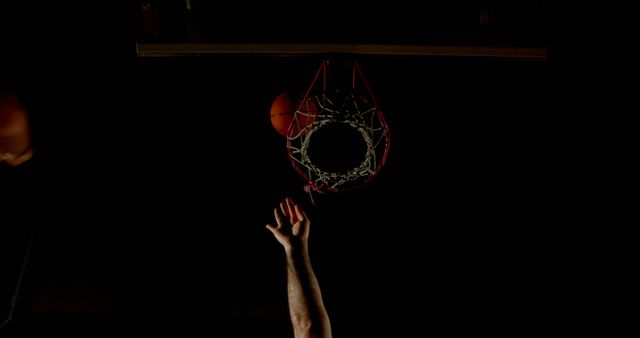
(292, 230)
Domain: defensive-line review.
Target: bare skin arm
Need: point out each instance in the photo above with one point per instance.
(306, 308)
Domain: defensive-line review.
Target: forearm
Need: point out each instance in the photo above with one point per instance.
(308, 314)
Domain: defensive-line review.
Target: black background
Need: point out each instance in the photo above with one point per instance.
(154, 179)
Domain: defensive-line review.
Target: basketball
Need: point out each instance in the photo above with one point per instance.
(14, 131)
(13, 117)
(282, 111)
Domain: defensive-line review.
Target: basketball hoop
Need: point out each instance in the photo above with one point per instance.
(344, 118)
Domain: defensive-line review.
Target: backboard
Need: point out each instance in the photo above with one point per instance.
(490, 28)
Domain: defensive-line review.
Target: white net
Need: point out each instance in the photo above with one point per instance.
(338, 141)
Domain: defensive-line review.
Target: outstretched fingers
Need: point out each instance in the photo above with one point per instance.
(278, 217)
(301, 215)
(284, 209)
(290, 209)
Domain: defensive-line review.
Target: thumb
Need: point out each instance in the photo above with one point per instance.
(277, 233)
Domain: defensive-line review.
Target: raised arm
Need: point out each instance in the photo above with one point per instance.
(308, 314)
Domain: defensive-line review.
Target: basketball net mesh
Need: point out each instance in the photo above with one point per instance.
(353, 107)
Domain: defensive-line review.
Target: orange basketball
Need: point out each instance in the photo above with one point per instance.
(282, 111)
(15, 140)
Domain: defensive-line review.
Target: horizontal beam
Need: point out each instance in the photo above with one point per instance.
(177, 49)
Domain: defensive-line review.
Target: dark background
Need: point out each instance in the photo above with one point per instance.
(154, 177)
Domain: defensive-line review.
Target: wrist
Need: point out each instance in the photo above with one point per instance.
(296, 251)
